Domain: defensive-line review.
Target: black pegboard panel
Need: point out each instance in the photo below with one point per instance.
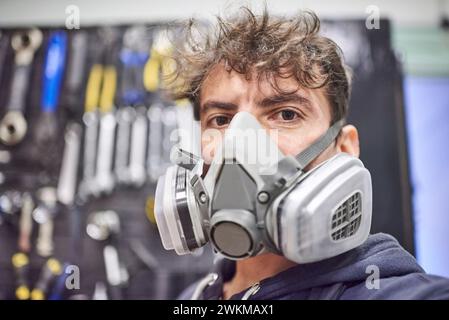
(32, 167)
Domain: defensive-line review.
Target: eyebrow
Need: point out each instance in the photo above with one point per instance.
(213, 104)
(264, 103)
(285, 98)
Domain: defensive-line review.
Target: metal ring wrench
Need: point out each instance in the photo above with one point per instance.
(68, 174)
(44, 214)
(104, 177)
(90, 121)
(76, 72)
(154, 161)
(13, 126)
(163, 125)
(136, 170)
(26, 223)
(66, 190)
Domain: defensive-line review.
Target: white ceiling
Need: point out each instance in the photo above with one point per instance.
(52, 12)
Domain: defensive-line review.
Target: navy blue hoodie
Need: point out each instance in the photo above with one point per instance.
(347, 276)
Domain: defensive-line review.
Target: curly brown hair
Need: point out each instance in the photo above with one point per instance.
(271, 47)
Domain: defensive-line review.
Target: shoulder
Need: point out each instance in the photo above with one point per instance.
(412, 286)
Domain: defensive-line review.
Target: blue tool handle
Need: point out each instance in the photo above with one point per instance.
(132, 88)
(53, 70)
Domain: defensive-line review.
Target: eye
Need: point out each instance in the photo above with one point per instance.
(219, 121)
(286, 115)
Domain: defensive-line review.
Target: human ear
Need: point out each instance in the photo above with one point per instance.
(348, 140)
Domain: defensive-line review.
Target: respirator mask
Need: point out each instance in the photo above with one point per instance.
(245, 206)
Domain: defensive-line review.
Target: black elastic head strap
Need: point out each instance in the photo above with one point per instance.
(305, 157)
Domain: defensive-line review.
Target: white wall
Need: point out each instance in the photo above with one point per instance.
(52, 12)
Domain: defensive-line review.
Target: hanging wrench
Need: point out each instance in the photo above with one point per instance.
(67, 183)
(76, 72)
(90, 120)
(68, 174)
(154, 160)
(13, 126)
(169, 138)
(44, 214)
(137, 173)
(46, 129)
(104, 180)
(125, 118)
(26, 223)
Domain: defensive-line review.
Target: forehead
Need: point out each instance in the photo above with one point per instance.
(230, 86)
(220, 80)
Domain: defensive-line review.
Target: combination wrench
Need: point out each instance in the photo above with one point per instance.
(155, 134)
(90, 122)
(68, 174)
(136, 171)
(104, 178)
(26, 223)
(67, 183)
(76, 72)
(44, 214)
(13, 126)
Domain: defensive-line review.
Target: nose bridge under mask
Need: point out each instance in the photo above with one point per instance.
(247, 146)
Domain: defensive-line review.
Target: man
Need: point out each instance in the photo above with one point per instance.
(294, 81)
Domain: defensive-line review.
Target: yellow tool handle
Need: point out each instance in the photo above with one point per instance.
(108, 90)
(151, 72)
(93, 88)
